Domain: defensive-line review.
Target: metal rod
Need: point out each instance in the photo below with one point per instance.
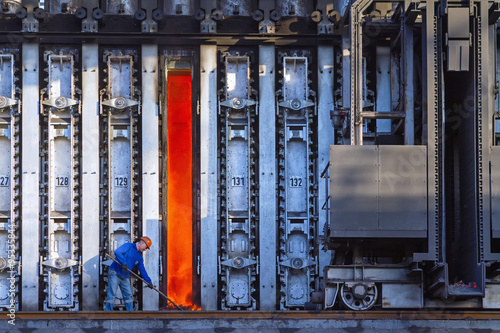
(137, 276)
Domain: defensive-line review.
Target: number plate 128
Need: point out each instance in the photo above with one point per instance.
(62, 181)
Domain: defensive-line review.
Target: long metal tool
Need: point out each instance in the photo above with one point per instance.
(137, 276)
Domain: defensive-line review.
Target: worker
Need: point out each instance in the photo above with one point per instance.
(129, 255)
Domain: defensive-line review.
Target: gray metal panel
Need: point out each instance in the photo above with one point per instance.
(402, 296)
(458, 55)
(402, 188)
(458, 22)
(6, 175)
(267, 178)
(379, 233)
(237, 168)
(354, 187)
(495, 188)
(208, 165)
(491, 298)
(30, 178)
(325, 133)
(296, 173)
(150, 170)
(90, 178)
(7, 88)
(486, 129)
(295, 75)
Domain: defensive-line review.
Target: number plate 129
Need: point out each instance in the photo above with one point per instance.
(120, 181)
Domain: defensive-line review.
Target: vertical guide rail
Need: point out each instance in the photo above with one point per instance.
(297, 223)
(120, 204)
(326, 135)
(208, 179)
(9, 180)
(150, 167)
(90, 178)
(60, 183)
(267, 178)
(237, 172)
(30, 226)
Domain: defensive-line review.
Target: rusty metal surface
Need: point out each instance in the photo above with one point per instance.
(263, 315)
(254, 321)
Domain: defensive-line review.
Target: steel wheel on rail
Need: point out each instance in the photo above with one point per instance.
(359, 296)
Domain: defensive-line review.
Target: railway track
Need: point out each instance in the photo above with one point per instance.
(261, 315)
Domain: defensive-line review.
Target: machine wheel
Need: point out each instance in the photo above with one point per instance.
(359, 296)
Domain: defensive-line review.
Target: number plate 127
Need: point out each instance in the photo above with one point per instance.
(4, 180)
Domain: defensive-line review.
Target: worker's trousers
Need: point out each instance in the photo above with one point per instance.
(115, 280)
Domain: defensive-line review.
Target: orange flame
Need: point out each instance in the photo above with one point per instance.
(179, 189)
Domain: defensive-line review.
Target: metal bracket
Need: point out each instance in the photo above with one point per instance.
(325, 26)
(149, 25)
(60, 263)
(6, 101)
(208, 25)
(238, 262)
(295, 104)
(237, 103)
(89, 24)
(30, 23)
(266, 26)
(298, 263)
(411, 13)
(59, 102)
(120, 103)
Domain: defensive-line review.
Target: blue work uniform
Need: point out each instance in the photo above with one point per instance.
(118, 277)
(127, 254)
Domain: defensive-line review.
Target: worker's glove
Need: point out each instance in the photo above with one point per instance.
(150, 285)
(124, 267)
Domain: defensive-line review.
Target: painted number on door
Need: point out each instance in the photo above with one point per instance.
(121, 181)
(62, 181)
(237, 181)
(295, 182)
(4, 180)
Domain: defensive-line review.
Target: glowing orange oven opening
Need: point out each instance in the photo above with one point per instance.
(179, 189)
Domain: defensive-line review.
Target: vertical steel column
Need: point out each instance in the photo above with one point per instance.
(208, 162)
(120, 110)
(150, 177)
(237, 112)
(409, 102)
(90, 178)
(430, 136)
(296, 180)
(485, 130)
(325, 133)
(30, 225)
(267, 178)
(60, 182)
(9, 182)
